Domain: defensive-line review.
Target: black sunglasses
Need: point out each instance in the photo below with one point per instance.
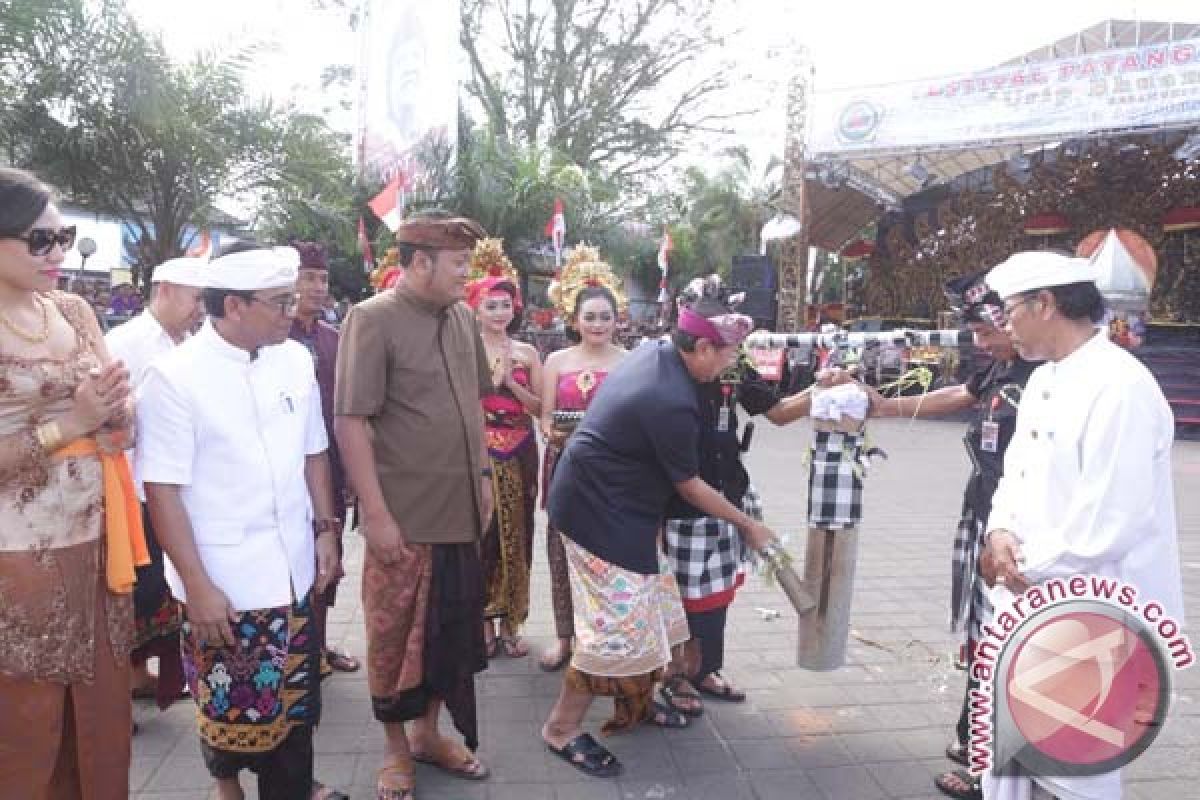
(41, 240)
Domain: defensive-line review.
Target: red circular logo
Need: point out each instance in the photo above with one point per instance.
(1086, 690)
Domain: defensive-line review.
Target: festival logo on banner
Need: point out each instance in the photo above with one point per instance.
(1075, 679)
(1155, 84)
(859, 121)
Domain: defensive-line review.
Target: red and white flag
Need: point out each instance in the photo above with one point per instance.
(556, 229)
(664, 253)
(364, 244)
(388, 205)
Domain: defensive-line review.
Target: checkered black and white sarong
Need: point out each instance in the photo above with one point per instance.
(707, 553)
(835, 480)
(969, 605)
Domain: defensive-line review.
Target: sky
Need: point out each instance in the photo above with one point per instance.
(851, 42)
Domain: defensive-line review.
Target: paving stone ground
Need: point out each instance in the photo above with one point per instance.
(874, 729)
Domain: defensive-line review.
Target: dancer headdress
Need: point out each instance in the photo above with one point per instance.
(583, 269)
(491, 271)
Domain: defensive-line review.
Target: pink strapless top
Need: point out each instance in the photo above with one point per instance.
(576, 389)
(509, 426)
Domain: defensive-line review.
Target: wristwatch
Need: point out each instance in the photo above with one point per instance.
(486, 472)
(331, 525)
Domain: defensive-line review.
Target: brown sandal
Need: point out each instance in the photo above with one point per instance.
(454, 759)
(394, 783)
(513, 646)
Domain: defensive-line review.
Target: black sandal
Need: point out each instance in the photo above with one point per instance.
(957, 753)
(726, 692)
(329, 794)
(670, 690)
(666, 717)
(588, 756)
(961, 778)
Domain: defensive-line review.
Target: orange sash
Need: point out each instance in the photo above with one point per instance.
(124, 538)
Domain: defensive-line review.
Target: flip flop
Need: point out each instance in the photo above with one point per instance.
(963, 778)
(588, 756)
(671, 718)
(342, 662)
(726, 692)
(329, 794)
(957, 753)
(394, 775)
(670, 690)
(455, 760)
(513, 646)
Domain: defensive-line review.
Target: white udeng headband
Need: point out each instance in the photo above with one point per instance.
(254, 269)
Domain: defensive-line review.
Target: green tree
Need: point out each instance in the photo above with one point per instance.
(122, 129)
(617, 85)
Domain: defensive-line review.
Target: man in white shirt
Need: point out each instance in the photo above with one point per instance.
(176, 308)
(1087, 483)
(232, 452)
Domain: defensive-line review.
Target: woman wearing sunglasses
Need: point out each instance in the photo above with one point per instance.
(68, 546)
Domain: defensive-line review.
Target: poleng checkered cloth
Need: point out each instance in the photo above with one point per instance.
(706, 553)
(969, 604)
(835, 480)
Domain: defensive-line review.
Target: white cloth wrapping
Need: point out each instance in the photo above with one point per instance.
(1087, 489)
(844, 400)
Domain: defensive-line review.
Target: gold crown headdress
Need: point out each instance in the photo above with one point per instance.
(583, 269)
(488, 260)
(388, 268)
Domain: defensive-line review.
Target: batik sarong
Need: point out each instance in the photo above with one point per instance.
(626, 624)
(424, 617)
(508, 542)
(251, 696)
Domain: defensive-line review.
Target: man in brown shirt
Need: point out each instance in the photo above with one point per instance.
(410, 373)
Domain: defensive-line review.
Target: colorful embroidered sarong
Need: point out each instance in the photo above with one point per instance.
(625, 623)
(250, 697)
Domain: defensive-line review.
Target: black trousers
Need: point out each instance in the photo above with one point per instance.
(285, 773)
(708, 628)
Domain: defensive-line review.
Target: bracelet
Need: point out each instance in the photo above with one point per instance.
(328, 525)
(485, 472)
(49, 436)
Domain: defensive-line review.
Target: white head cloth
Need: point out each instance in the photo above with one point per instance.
(182, 271)
(1038, 269)
(254, 269)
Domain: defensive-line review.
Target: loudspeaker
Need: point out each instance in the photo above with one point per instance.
(752, 272)
(759, 304)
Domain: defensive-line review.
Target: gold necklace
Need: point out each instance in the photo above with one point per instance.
(21, 333)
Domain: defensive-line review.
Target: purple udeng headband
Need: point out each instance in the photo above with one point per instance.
(725, 330)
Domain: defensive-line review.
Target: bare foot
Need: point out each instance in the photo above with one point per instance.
(556, 657)
(229, 789)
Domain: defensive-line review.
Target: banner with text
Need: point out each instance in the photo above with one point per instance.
(1152, 85)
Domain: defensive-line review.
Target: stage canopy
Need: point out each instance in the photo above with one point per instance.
(868, 148)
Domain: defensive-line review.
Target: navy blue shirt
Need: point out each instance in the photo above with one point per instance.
(639, 437)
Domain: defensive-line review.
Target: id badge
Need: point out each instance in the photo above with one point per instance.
(723, 420)
(989, 437)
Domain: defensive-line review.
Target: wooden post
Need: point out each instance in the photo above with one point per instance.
(829, 563)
